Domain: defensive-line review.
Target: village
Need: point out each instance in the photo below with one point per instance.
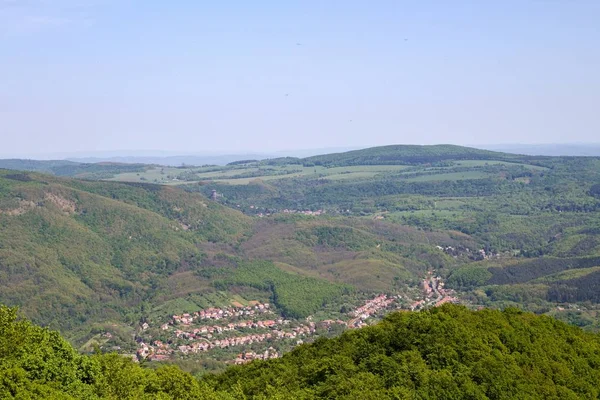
(477, 255)
(256, 332)
(435, 294)
(315, 213)
(224, 328)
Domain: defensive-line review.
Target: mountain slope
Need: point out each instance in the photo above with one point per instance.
(74, 251)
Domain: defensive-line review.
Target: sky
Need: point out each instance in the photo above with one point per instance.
(240, 76)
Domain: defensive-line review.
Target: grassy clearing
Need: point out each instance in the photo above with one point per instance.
(483, 163)
(430, 213)
(363, 168)
(236, 298)
(245, 181)
(453, 176)
(449, 204)
(243, 175)
(227, 174)
(351, 175)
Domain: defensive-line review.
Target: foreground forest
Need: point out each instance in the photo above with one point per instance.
(443, 353)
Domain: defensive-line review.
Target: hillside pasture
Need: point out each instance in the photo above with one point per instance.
(451, 176)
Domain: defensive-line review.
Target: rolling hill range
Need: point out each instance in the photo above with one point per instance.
(76, 253)
(516, 208)
(71, 168)
(112, 262)
(364, 163)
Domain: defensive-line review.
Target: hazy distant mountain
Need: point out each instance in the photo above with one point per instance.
(174, 160)
(199, 159)
(571, 149)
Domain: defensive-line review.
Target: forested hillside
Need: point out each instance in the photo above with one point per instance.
(407, 155)
(74, 252)
(72, 169)
(444, 353)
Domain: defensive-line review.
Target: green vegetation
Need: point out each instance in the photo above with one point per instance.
(297, 296)
(408, 154)
(447, 352)
(532, 269)
(311, 236)
(337, 237)
(88, 257)
(36, 363)
(73, 169)
(73, 252)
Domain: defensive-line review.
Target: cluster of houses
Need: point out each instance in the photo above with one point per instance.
(208, 331)
(268, 213)
(444, 300)
(188, 336)
(477, 255)
(435, 294)
(373, 306)
(159, 351)
(200, 341)
(244, 358)
(416, 305)
(220, 313)
(305, 212)
(326, 324)
(232, 330)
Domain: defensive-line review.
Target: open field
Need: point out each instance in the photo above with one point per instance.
(451, 176)
(483, 163)
(242, 175)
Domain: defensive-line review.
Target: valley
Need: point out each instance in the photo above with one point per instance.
(324, 244)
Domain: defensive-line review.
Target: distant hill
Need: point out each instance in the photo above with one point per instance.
(48, 166)
(202, 159)
(102, 170)
(407, 154)
(174, 161)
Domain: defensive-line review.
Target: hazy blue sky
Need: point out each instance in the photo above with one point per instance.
(194, 75)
